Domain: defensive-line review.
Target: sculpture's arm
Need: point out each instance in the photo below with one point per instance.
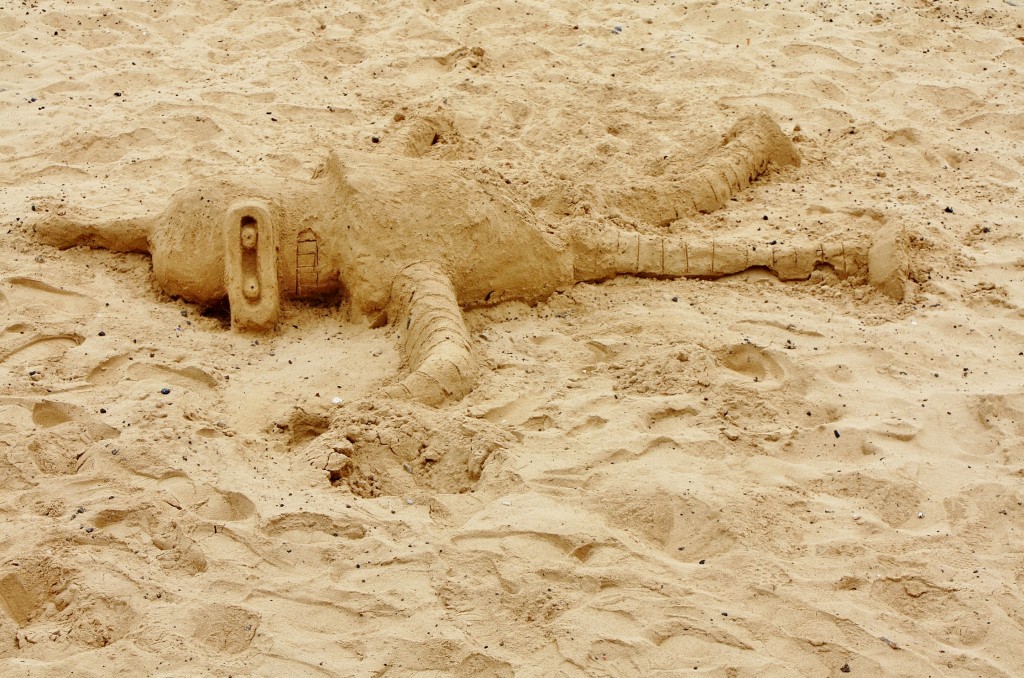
(435, 341)
(119, 235)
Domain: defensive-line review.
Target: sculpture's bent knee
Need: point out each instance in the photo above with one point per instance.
(435, 340)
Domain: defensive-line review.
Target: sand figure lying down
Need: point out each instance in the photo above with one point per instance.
(413, 241)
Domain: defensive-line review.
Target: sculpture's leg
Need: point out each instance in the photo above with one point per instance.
(119, 235)
(435, 340)
(747, 150)
(600, 254)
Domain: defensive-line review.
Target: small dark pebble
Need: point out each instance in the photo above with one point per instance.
(701, 562)
(986, 229)
(948, 210)
(103, 334)
(117, 94)
(80, 510)
(103, 410)
(165, 391)
(675, 298)
(765, 217)
(774, 242)
(617, 29)
(375, 139)
(845, 668)
(837, 433)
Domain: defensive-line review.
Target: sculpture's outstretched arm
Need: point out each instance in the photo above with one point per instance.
(435, 340)
(119, 235)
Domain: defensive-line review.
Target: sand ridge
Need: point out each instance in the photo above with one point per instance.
(732, 477)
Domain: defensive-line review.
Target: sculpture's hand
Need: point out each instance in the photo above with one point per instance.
(435, 340)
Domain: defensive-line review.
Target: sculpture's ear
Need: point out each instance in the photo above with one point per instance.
(331, 167)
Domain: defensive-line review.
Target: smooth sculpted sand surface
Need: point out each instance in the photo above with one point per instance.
(515, 338)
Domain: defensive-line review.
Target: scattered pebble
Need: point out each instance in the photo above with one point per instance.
(336, 400)
(617, 29)
(410, 502)
(948, 210)
(920, 514)
(506, 502)
(857, 516)
(375, 139)
(165, 391)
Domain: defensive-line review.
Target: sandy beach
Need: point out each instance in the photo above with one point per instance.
(649, 476)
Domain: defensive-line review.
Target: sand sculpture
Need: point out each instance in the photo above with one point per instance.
(413, 241)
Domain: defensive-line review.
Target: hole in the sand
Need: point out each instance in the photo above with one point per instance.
(303, 426)
(397, 449)
(755, 274)
(219, 311)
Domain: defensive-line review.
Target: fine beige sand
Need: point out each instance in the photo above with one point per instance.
(652, 477)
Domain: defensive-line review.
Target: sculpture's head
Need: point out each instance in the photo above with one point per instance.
(250, 243)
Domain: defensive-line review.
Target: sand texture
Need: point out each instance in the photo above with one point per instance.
(558, 357)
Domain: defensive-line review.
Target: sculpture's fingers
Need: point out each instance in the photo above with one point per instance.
(120, 235)
(435, 340)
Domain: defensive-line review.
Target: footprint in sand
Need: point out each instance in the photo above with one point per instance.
(120, 367)
(225, 628)
(206, 501)
(36, 298)
(41, 594)
(753, 362)
(45, 311)
(22, 344)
